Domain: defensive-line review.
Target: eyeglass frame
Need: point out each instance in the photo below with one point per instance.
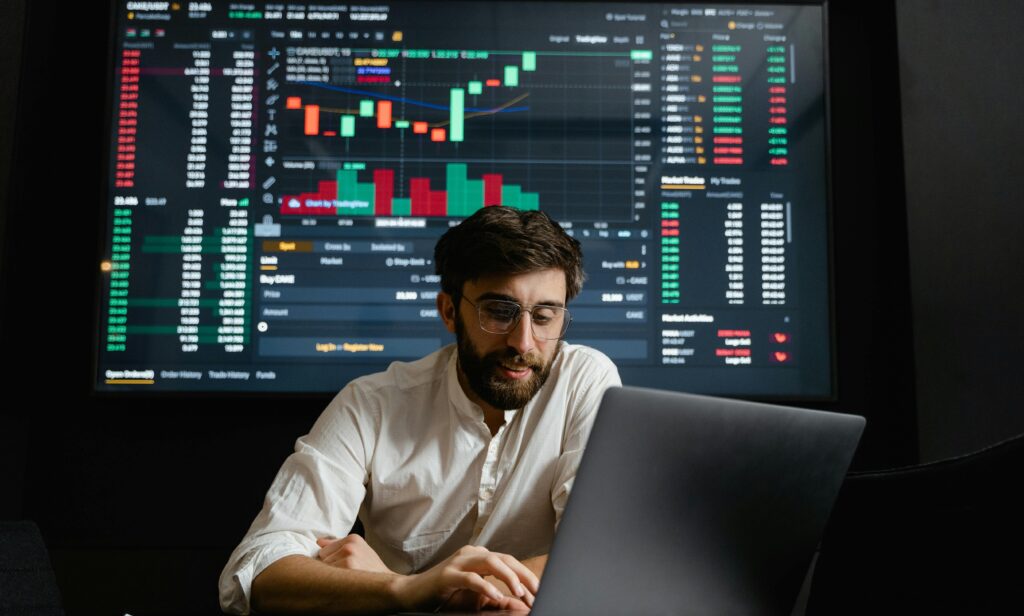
(519, 317)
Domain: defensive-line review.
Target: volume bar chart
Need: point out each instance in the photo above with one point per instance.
(460, 197)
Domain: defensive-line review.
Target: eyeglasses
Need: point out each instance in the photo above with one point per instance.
(498, 316)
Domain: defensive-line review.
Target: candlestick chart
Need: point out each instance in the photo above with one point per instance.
(442, 133)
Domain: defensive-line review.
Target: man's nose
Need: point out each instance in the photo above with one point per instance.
(521, 337)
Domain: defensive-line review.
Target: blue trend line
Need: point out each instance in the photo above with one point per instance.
(399, 99)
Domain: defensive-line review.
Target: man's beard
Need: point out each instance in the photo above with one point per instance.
(484, 376)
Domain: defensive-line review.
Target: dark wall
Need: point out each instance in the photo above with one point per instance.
(12, 17)
(158, 490)
(871, 288)
(139, 500)
(963, 83)
(12, 427)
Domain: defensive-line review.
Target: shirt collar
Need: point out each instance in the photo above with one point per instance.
(458, 398)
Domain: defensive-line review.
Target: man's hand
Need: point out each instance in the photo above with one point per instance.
(469, 601)
(458, 582)
(535, 564)
(351, 552)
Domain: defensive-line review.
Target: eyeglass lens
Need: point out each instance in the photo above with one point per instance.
(501, 317)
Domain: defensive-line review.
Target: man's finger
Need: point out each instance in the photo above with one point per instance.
(528, 577)
(329, 547)
(521, 575)
(474, 582)
(527, 599)
(513, 604)
(489, 564)
(500, 569)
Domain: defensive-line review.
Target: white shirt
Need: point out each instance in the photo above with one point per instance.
(408, 452)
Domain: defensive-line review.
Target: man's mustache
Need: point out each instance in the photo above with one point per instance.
(516, 361)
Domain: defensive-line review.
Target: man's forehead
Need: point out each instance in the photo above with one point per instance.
(542, 286)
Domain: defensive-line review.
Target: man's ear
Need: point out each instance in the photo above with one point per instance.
(446, 308)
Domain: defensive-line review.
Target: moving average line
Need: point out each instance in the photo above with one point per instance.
(399, 99)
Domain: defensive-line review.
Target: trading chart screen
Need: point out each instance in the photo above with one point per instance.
(280, 173)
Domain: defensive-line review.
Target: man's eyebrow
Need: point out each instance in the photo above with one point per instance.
(509, 298)
(555, 303)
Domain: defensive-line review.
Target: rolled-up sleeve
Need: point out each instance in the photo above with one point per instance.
(316, 493)
(597, 376)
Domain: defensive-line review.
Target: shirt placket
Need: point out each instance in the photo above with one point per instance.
(489, 476)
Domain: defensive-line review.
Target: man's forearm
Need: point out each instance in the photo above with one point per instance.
(302, 585)
(537, 564)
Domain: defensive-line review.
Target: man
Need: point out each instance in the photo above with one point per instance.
(459, 464)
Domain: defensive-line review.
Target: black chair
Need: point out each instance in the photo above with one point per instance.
(942, 537)
(27, 583)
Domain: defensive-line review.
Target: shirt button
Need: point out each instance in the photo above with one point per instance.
(486, 494)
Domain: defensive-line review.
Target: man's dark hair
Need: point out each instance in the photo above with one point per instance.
(504, 241)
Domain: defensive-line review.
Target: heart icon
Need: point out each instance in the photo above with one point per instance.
(781, 356)
(780, 337)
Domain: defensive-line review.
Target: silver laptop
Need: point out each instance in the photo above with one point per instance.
(695, 505)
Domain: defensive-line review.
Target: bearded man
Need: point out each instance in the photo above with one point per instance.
(459, 464)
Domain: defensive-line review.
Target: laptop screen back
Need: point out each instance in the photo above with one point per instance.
(690, 504)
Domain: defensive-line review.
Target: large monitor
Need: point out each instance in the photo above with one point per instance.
(279, 174)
